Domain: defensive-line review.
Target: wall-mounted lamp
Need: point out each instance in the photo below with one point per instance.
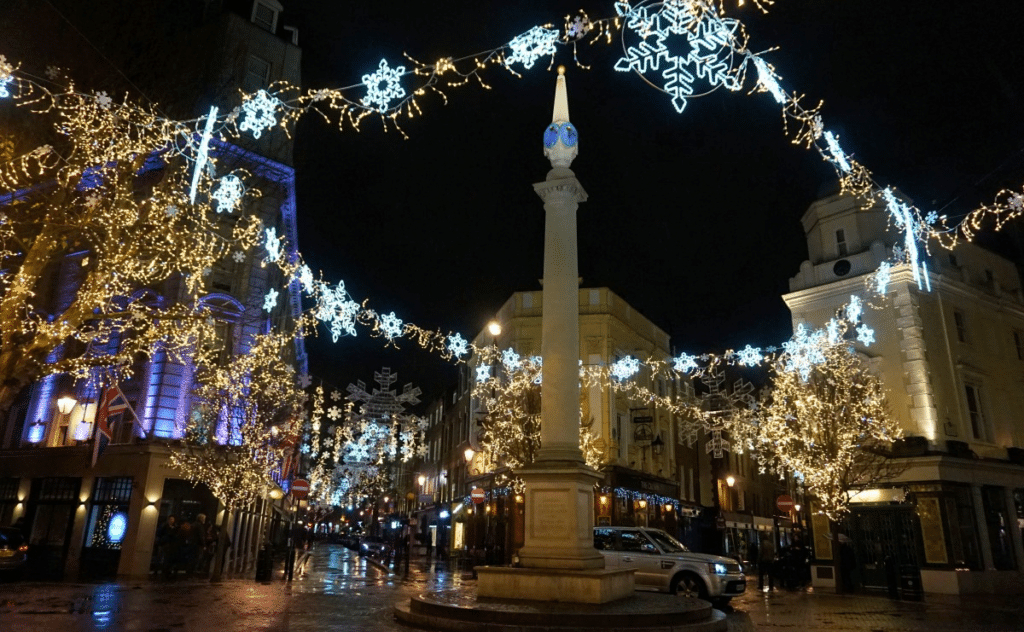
(276, 493)
(657, 446)
(730, 480)
(65, 404)
(422, 479)
(519, 498)
(797, 508)
(469, 453)
(642, 503)
(668, 507)
(604, 499)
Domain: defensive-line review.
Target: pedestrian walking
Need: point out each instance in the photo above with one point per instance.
(766, 563)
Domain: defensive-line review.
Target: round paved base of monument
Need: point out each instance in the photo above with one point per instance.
(643, 612)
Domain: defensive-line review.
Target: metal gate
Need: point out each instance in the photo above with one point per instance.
(881, 536)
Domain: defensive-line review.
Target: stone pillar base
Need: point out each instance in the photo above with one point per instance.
(559, 516)
(591, 586)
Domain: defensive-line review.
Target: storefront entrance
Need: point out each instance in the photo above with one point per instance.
(882, 536)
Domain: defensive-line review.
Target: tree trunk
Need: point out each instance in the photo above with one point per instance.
(222, 545)
(839, 564)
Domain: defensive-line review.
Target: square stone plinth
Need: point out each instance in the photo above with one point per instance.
(545, 584)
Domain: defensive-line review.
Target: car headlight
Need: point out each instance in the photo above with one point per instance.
(717, 568)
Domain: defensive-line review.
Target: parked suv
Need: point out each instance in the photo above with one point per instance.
(664, 564)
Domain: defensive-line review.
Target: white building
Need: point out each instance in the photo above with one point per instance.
(952, 359)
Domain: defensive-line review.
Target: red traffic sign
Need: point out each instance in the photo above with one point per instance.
(300, 488)
(478, 495)
(785, 503)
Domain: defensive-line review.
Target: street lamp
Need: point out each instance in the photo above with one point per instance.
(494, 328)
(65, 404)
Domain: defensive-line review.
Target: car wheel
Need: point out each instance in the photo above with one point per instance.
(689, 585)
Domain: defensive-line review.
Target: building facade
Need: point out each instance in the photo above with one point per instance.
(951, 355)
(100, 520)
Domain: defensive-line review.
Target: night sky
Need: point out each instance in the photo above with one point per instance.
(692, 218)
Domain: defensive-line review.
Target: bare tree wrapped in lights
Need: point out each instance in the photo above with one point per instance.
(246, 416)
(826, 422)
(510, 429)
(104, 208)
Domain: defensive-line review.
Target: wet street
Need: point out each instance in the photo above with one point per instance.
(341, 591)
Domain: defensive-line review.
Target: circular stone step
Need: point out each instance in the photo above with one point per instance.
(643, 612)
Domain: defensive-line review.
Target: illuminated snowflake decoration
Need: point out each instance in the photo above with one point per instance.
(882, 277)
(273, 245)
(383, 86)
(579, 27)
(92, 201)
(337, 309)
(511, 360)
(1016, 203)
(238, 256)
(854, 309)
(335, 395)
(305, 276)
(52, 73)
(625, 368)
(865, 335)
(103, 100)
(171, 211)
(804, 351)
(270, 300)
(391, 325)
(749, 356)
(707, 51)
(684, 363)
(531, 45)
(305, 381)
(334, 413)
(259, 113)
(483, 373)
(457, 345)
(228, 193)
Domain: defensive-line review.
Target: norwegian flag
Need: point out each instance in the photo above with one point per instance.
(113, 403)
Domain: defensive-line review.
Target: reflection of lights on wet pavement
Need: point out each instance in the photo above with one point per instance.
(105, 602)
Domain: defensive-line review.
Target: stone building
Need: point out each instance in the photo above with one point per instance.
(100, 521)
(951, 354)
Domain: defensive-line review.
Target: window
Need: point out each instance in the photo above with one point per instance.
(975, 411)
(264, 15)
(257, 73)
(841, 242)
(952, 260)
(961, 326)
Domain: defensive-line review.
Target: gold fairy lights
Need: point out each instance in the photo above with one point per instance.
(244, 420)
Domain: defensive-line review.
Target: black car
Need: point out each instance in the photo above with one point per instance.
(13, 551)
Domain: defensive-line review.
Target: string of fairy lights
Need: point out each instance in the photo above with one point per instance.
(684, 48)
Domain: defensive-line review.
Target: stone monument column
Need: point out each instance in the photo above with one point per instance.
(559, 485)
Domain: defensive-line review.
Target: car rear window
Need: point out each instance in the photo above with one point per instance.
(604, 539)
(632, 541)
(10, 538)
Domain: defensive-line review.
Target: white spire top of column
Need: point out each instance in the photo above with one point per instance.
(560, 138)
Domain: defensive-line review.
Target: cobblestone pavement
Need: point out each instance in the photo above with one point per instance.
(808, 610)
(340, 591)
